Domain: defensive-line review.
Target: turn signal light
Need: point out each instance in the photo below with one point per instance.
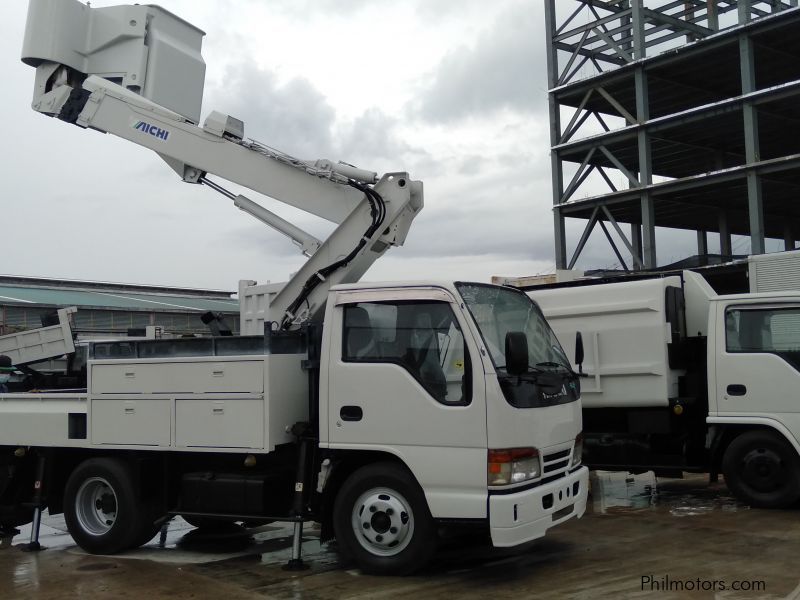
(513, 465)
(577, 451)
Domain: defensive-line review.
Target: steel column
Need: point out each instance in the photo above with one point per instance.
(755, 203)
(556, 168)
(725, 245)
(645, 168)
(636, 242)
(702, 243)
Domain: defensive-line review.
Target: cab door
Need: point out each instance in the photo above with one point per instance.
(403, 378)
(758, 360)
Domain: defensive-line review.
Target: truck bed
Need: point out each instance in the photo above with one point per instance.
(200, 403)
(43, 419)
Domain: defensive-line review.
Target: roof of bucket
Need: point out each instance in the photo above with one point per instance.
(143, 48)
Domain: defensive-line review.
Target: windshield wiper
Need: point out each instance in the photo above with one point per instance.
(566, 368)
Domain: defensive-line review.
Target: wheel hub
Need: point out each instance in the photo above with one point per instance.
(763, 469)
(96, 506)
(382, 521)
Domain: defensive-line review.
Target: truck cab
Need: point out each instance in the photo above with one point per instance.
(416, 374)
(753, 382)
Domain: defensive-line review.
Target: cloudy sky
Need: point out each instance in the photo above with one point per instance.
(454, 92)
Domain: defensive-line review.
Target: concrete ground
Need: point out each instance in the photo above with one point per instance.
(674, 539)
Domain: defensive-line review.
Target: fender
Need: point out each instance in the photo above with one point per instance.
(760, 421)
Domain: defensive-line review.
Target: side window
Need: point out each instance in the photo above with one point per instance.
(422, 337)
(773, 330)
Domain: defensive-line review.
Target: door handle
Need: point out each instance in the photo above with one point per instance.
(351, 413)
(736, 389)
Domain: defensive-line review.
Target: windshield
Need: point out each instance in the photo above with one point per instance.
(498, 310)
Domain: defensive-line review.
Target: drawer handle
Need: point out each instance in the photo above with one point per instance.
(130, 374)
(218, 373)
(130, 411)
(218, 411)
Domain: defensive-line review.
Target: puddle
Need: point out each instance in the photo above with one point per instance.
(180, 543)
(614, 491)
(97, 567)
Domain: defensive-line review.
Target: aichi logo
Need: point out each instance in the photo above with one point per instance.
(153, 130)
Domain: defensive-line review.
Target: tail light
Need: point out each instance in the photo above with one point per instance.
(577, 451)
(513, 465)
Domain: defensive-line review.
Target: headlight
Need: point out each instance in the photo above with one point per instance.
(513, 465)
(577, 451)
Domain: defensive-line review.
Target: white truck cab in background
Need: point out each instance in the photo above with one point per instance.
(681, 378)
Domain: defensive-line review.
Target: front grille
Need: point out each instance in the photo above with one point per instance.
(556, 455)
(556, 466)
(555, 461)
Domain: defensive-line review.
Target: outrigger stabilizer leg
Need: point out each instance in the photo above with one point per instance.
(298, 510)
(33, 545)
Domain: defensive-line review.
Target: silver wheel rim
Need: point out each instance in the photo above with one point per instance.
(382, 522)
(96, 506)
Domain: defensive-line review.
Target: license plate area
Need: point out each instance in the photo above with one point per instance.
(560, 514)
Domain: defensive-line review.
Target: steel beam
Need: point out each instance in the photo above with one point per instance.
(628, 245)
(587, 231)
(613, 245)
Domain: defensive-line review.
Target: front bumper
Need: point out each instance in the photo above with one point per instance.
(524, 516)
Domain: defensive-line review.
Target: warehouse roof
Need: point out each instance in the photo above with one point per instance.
(56, 292)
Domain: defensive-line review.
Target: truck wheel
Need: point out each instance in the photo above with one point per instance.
(381, 520)
(763, 470)
(101, 507)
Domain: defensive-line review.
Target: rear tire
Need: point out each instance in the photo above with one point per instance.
(382, 521)
(101, 507)
(763, 470)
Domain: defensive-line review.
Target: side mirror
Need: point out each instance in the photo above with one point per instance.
(579, 352)
(516, 352)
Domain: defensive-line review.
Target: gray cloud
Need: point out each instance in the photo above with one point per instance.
(294, 117)
(503, 69)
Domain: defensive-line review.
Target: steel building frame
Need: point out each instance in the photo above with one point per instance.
(704, 135)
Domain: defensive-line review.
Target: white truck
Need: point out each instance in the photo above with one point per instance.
(681, 378)
(380, 410)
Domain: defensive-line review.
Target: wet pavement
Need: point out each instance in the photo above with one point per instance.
(640, 538)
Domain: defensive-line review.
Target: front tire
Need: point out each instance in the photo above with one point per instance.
(763, 470)
(101, 507)
(381, 520)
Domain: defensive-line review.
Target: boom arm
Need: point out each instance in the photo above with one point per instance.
(370, 218)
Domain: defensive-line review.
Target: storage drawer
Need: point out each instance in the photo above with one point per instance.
(131, 422)
(182, 377)
(219, 423)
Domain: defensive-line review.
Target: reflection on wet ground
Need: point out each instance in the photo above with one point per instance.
(637, 527)
(613, 491)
